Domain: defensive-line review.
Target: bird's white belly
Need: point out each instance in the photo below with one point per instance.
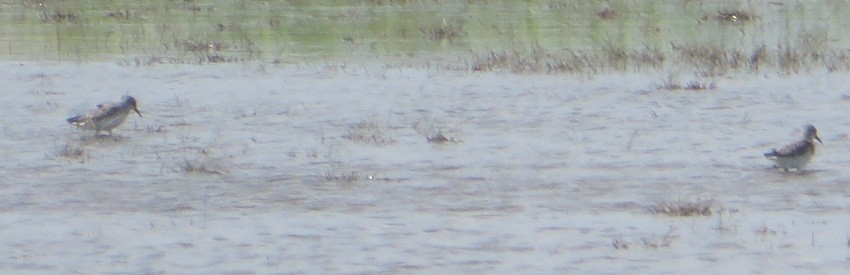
(796, 162)
(107, 123)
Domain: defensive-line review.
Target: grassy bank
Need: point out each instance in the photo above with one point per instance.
(707, 37)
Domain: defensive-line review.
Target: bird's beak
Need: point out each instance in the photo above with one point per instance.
(140, 114)
(818, 139)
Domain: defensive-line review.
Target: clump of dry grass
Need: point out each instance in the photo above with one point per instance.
(694, 85)
(389, 2)
(434, 133)
(446, 30)
(121, 15)
(607, 13)
(439, 137)
(60, 17)
(683, 208)
(203, 163)
(653, 241)
(158, 129)
(724, 219)
(537, 59)
(697, 86)
(700, 59)
(204, 50)
(766, 230)
(201, 46)
(73, 151)
(200, 166)
(734, 16)
(711, 60)
(621, 243)
(350, 177)
(368, 132)
(662, 242)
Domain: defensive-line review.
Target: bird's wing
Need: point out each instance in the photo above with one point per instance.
(109, 109)
(794, 149)
(82, 120)
(103, 109)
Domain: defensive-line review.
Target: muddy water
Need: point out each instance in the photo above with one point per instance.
(246, 168)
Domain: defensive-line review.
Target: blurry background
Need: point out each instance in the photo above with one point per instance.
(711, 37)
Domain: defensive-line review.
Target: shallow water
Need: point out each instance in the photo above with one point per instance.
(256, 169)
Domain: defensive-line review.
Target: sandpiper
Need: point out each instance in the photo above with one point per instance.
(107, 116)
(796, 155)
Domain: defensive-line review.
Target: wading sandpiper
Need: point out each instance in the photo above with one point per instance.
(795, 155)
(107, 116)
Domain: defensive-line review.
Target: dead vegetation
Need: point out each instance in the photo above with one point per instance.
(810, 53)
(672, 84)
(202, 161)
(389, 2)
(121, 15)
(537, 59)
(734, 16)
(663, 241)
(57, 17)
(439, 137)
(211, 52)
(368, 132)
(689, 86)
(606, 13)
(652, 242)
(74, 151)
(350, 177)
(703, 60)
(765, 230)
(445, 30)
(202, 166)
(437, 132)
(683, 208)
(620, 243)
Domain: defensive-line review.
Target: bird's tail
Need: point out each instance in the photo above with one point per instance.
(75, 119)
(770, 154)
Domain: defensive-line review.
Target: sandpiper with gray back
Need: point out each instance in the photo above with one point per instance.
(107, 116)
(796, 155)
